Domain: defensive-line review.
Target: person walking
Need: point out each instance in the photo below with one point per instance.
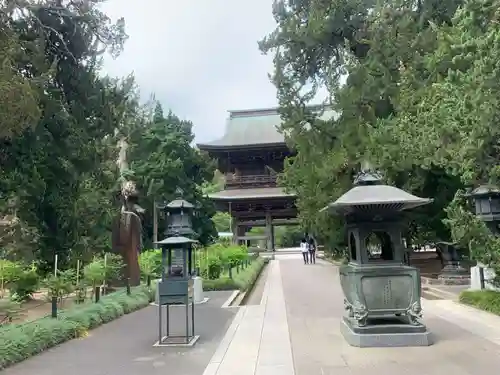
(312, 250)
(305, 250)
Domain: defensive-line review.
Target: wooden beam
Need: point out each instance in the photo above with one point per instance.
(287, 213)
(261, 223)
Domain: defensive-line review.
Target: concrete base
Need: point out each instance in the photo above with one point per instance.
(176, 341)
(399, 336)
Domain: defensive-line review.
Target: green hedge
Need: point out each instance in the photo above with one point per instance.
(241, 280)
(21, 341)
(487, 300)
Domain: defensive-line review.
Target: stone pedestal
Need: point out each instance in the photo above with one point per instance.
(452, 273)
(198, 290)
(385, 332)
(475, 279)
(383, 306)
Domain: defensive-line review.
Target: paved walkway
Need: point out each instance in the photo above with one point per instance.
(295, 331)
(125, 346)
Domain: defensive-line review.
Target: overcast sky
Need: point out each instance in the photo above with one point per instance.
(200, 58)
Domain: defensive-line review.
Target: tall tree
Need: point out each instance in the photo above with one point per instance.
(371, 44)
(162, 160)
(49, 166)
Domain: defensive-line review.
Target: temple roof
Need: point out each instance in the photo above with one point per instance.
(376, 196)
(256, 127)
(250, 193)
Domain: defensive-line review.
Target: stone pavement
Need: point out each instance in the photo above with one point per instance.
(295, 331)
(125, 346)
(257, 341)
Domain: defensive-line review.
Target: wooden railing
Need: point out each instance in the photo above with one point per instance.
(248, 181)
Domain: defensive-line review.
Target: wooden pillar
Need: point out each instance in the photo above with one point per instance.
(272, 238)
(234, 229)
(241, 231)
(269, 231)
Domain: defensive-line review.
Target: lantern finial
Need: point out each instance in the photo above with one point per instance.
(179, 192)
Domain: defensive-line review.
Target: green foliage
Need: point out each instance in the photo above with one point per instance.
(162, 160)
(21, 341)
(66, 117)
(450, 119)
(27, 282)
(471, 233)
(8, 310)
(150, 263)
(9, 272)
(211, 267)
(103, 268)
(60, 286)
(222, 222)
(218, 257)
(243, 280)
(487, 300)
(62, 122)
(230, 255)
(417, 78)
(21, 281)
(289, 236)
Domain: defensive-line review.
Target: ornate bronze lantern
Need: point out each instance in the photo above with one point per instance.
(382, 294)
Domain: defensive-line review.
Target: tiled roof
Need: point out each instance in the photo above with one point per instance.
(251, 128)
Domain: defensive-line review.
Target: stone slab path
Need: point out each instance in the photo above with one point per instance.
(295, 331)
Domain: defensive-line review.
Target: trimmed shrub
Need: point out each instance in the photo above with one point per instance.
(487, 300)
(21, 341)
(214, 260)
(242, 280)
(26, 283)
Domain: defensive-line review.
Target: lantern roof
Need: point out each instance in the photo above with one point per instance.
(484, 190)
(175, 240)
(370, 195)
(180, 203)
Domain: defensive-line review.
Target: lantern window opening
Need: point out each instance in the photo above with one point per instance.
(352, 247)
(379, 246)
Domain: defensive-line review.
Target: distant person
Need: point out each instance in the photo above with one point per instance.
(304, 248)
(311, 246)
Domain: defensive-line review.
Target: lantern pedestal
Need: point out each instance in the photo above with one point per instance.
(452, 273)
(384, 333)
(383, 306)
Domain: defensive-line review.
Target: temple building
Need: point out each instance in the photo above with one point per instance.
(250, 155)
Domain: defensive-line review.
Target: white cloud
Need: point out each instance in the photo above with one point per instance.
(199, 58)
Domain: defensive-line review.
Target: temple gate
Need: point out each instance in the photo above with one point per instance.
(251, 154)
